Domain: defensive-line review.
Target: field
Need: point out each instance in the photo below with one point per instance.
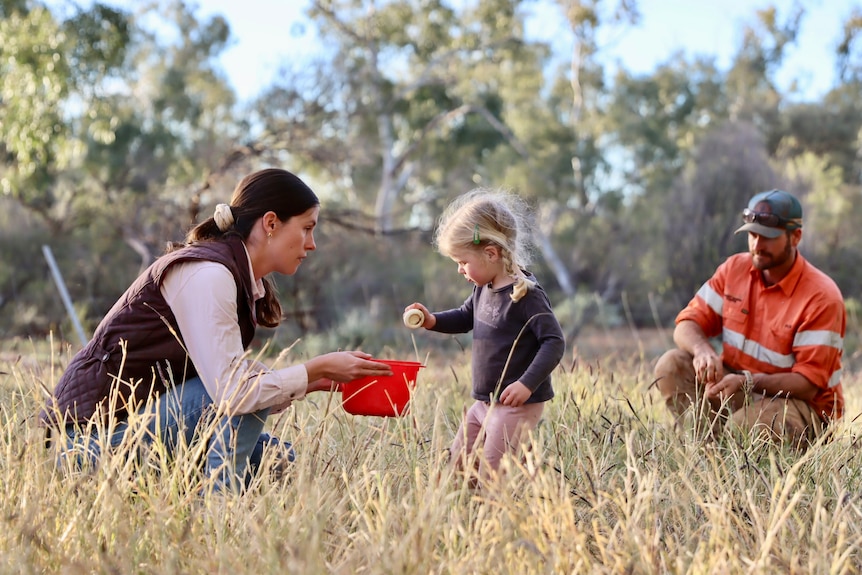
(608, 486)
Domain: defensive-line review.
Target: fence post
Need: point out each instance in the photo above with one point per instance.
(61, 286)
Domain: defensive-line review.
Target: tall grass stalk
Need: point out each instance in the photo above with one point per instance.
(608, 485)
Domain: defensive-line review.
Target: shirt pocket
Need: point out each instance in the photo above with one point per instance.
(781, 341)
(735, 315)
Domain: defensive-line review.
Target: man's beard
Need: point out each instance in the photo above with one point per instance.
(770, 262)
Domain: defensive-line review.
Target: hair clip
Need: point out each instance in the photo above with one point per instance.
(476, 235)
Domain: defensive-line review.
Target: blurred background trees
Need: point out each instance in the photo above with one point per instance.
(118, 130)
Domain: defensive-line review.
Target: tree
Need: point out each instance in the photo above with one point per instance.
(48, 70)
(398, 112)
(728, 166)
(107, 132)
(169, 126)
(557, 155)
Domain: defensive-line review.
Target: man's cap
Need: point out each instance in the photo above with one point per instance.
(771, 213)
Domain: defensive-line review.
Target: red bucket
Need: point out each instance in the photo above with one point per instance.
(385, 396)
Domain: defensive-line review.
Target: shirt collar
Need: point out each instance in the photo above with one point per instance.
(789, 282)
(257, 289)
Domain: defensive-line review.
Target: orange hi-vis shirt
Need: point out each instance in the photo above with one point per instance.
(796, 325)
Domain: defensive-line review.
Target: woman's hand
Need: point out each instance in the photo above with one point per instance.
(322, 384)
(344, 366)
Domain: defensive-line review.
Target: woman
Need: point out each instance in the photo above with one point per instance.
(173, 347)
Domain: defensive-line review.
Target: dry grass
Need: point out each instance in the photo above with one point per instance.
(608, 487)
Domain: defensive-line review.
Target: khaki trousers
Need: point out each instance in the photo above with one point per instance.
(782, 419)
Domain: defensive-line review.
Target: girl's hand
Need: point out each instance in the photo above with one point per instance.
(430, 320)
(515, 395)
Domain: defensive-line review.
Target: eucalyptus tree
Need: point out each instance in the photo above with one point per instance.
(95, 106)
(657, 119)
(419, 101)
(703, 207)
(49, 68)
(406, 101)
(390, 122)
(830, 127)
(680, 131)
(819, 143)
(750, 82)
(166, 127)
(108, 128)
(574, 143)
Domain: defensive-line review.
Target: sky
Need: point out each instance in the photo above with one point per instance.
(270, 33)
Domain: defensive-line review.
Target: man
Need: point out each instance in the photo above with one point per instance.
(781, 322)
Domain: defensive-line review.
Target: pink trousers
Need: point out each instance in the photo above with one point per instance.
(495, 429)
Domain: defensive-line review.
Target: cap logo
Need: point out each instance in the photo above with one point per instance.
(763, 208)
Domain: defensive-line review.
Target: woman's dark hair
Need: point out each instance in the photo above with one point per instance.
(268, 190)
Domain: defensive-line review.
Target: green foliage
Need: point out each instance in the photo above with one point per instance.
(102, 36)
(34, 81)
(104, 129)
(9, 7)
(658, 118)
(410, 103)
(704, 205)
(827, 129)
(24, 283)
(574, 313)
(118, 130)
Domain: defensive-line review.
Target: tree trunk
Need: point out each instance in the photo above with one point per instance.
(558, 267)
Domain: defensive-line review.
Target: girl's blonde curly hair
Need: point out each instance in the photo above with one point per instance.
(484, 217)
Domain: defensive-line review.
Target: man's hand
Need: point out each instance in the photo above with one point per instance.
(726, 387)
(708, 367)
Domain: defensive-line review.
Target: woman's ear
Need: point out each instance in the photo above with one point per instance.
(269, 221)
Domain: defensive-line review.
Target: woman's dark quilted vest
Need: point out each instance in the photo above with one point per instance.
(137, 349)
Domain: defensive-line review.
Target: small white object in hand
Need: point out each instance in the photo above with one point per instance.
(413, 318)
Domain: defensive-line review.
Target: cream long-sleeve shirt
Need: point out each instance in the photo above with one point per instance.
(202, 295)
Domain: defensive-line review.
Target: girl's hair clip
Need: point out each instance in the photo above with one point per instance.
(476, 235)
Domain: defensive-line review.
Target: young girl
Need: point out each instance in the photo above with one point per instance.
(517, 341)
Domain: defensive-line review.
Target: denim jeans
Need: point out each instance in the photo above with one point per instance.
(235, 444)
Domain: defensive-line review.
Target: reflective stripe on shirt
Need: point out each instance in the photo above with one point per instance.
(796, 325)
(757, 351)
(712, 299)
(819, 337)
